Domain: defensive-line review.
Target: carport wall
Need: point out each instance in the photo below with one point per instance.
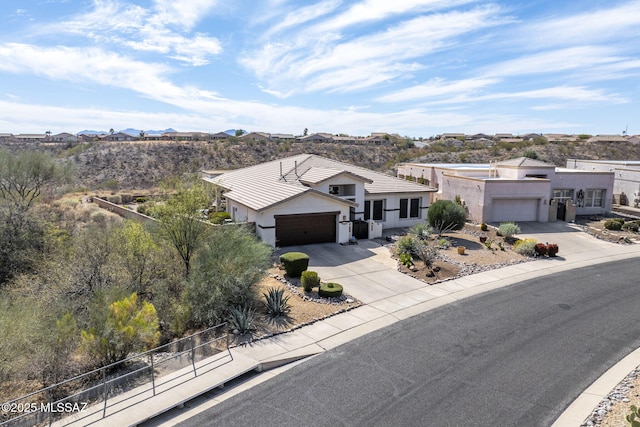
(479, 194)
(308, 203)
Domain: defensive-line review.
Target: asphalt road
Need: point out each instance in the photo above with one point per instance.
(517, 356)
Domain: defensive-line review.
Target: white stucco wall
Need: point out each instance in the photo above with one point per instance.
(586, 180)
(626, 177)
(392, 209)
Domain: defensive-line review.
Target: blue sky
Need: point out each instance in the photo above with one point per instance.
(413, 67)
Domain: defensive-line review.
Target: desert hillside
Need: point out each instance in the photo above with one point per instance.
(124, 165)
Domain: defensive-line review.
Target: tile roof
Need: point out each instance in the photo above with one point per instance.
(264, 185)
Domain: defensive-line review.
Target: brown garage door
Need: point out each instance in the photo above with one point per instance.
(305, 229)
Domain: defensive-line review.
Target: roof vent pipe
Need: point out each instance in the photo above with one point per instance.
(295, 168)
(281, 171)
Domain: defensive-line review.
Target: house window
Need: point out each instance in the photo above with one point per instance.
(404, 208)
(593, 198)
(410, 211)
(367, 210)
(378, 210)
(414, 212)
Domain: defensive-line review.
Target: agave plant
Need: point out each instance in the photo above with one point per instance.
(276, 303)
(242, 319)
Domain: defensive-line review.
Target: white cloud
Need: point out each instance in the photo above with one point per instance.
(438, 87)
(619, 22)
(375, 10)
(325, 61)
(163, 29)
(305, 14)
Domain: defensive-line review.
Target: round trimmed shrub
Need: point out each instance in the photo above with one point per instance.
(330, 290)
(309, 280)
(484, 227)
(613, 224)
(294, 263)
(631, 226)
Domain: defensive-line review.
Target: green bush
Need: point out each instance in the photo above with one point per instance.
(330, 290)
(445, 215)
(407, 245)
(219, 217)
(484, 227)
(613, 224)
(309, 280)
(406, 260)
(294, 263)
(508, 229)
(631, 226)
(141, 199)
(526, 247)
(444, 243)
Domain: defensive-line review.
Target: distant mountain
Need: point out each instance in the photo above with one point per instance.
(92, 132)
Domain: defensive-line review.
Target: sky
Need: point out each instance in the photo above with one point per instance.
(417, 68)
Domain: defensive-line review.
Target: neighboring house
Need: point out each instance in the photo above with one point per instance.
(607, 138)
(626, 187)
(186, 136)
(503, 135)
(634, 139)
(256, 137)
(120, 136)
(283, 137)
(220, 136)
(316, 137)
(446, 136)
(6, 137)
(307, 199)
(63, 137)
(518, 190)
(31, 137)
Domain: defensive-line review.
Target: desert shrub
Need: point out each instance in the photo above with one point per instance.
(219, 217)
(508, 229)
(276, 303)
(484, 227)
(444, 243)
(631, 226)
(427, 254)
(444, 215)
(242, 319)
(406, 259)
(613, 224)
(309, 280)
(330, 290)
(127, 198)
(552, 249)
(526, 247)
(541, 249)
(407, 245)
(422, 231)
(294, 263)
(141, 199)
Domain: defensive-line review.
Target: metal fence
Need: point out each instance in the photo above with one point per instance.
(96, 394)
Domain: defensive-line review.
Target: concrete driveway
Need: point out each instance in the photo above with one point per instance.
(368, 272)
(571, 240)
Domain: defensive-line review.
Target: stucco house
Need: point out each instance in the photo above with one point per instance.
(307, 199)
(518, 190)
(626, 186)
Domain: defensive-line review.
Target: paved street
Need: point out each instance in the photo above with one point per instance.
(513, 356)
